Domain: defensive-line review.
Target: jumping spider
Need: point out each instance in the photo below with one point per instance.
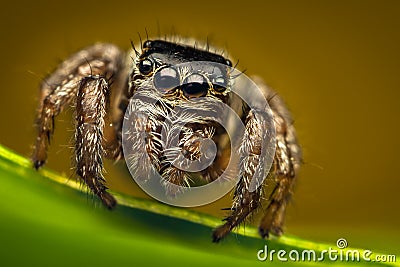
(99, 81)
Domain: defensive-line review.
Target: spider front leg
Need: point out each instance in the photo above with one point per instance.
(285, 168)
(90, 113)
(286, 165)
(245, 202)
(81, 80)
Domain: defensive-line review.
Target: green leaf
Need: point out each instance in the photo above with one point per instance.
(49, 220)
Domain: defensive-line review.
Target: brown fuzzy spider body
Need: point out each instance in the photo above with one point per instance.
(84, 80)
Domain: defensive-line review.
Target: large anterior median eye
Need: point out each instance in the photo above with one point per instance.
(166, 79)
(195, 85)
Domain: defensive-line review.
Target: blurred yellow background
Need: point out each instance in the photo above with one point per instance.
(336, 63)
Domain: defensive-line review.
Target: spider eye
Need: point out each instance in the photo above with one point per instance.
(146, 66)
(195, 85)
(219, 84)
(147, 44)
(166, 79)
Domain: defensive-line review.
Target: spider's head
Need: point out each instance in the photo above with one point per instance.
(181, 72)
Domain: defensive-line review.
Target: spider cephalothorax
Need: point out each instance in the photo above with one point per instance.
(193, 94)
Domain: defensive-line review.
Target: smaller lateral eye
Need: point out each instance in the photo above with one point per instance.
(219, 84)
(146, 66)
(166, 79)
